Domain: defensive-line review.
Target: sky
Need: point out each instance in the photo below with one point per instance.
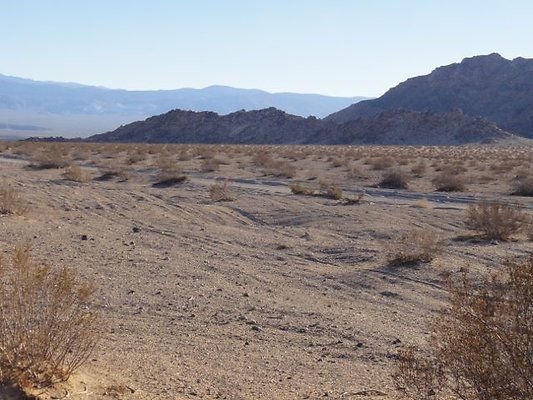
(331, 47)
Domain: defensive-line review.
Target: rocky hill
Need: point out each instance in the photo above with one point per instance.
(263, 126)
(489, 86)
(272, 126)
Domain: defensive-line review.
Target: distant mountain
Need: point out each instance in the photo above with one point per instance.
(489, 86)
(272, 126)
(71, 109)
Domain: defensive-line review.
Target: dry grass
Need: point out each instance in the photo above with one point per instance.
(481, 343)
(47, 330)
(495, 220)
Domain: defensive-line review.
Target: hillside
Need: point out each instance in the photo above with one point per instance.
(490, 86)
(53, 108)
(272, 126)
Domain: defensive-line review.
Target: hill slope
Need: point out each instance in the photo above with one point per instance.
(489, 86)
(272, 126)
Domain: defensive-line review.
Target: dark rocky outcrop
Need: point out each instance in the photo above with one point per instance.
(489, 86)
(272, 126)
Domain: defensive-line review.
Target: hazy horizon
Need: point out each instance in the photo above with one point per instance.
(336, 48)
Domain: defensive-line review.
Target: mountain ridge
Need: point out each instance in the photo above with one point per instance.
(488, 86)
(272, 126)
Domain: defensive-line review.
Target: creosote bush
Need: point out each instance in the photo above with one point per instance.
(219, 191)
(481, 343)
(523, 187)
(47, 329)
(449, 182)
(10, 201)
(495, 220)
(418, 246)
(76, 174)
(394, 179)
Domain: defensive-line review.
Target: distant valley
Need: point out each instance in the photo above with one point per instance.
(33, 108)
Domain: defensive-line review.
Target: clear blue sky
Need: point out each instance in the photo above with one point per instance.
(335, 47)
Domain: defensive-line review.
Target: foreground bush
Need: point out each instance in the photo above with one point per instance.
(495, 220)
(46, 328)
(482, 343)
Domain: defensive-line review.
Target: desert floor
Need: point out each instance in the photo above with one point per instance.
(271, 295)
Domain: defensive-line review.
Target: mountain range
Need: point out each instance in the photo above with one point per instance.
(37, 108)
(483, 99)
(488, 86)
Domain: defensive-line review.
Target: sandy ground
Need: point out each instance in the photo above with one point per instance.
(272, 295)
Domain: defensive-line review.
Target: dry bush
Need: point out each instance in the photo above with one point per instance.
(330, 190)
(10, 201)
(495, 220)
(449, 182)
(220, 191)
(114, 172)
(300, 188)
(419, 169)
(47, 329)
(76, 174)
(380, 163)
(394, 179)
(50, 157)
(356, 199)
(482, 342)
(422, 203)
(523, 187)
(210, 164)
(418, 246)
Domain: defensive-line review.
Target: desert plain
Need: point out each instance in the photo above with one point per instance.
(215, 280)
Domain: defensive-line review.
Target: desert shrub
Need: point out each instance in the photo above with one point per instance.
(10, 201)
(523, 187)
(50, 157)
(330, 190)
(356, 199)
(300, 188)
(75, 173)
(394, 179)
(419, 169)
(495, 220)
(47, 329)
(381, 163)
(481, 343)
(220, 191)
(210, 164)
(418, 246)
(448, 182)
(114, 172)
